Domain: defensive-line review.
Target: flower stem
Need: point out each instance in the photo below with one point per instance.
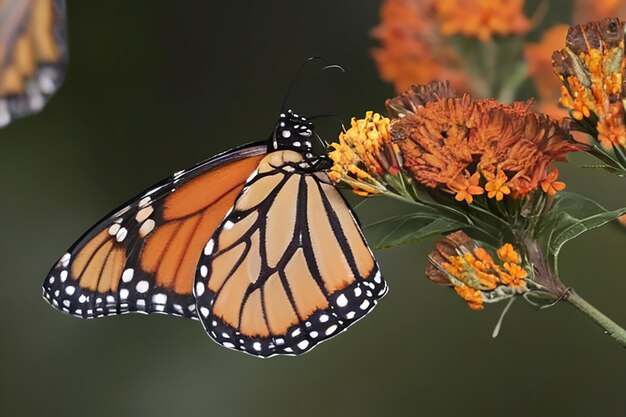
(608, 326)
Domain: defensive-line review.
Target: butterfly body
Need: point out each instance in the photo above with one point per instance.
(256, 243)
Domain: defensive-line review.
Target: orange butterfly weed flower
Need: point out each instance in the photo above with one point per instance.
(364, 155)
(550, 185)
(466, 187)
(469, 147)
(591, 67)
(482, 18)
(508, 254)
(411, 47)
(459, 262)
(497, 185)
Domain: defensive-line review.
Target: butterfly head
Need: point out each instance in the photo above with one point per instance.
(292, 132)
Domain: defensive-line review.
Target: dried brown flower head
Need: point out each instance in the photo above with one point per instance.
(591, 67)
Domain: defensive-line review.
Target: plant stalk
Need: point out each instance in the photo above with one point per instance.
(606, 324)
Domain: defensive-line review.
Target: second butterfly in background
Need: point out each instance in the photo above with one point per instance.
(33, 55)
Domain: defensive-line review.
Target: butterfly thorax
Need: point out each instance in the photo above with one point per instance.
(293, 133)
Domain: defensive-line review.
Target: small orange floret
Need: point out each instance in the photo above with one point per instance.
(515, 275)
(473, 297)
(550, 185)
(466, 188)
(508, 254)
(497, 185)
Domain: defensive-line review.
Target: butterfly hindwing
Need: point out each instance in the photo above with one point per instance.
(143, 256)
(33, 55)
(288, 267)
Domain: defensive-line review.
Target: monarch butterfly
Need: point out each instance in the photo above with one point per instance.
(256, 243)
(33, 55)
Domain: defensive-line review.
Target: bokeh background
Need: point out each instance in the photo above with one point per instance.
(155, 86)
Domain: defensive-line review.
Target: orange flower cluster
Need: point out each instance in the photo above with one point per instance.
(411, 48)
(459, 262)
(364, 155)
(482, 18)
(591, 67)
(472, 147)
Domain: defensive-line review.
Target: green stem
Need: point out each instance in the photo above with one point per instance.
(606, 324)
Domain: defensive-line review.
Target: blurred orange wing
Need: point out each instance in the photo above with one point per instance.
(33, 55)
(143, 256)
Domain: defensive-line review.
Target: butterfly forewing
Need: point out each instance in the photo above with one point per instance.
(33, 55)
(143, 256)
(288, 267)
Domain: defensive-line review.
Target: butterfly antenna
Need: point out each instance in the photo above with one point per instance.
(296, 78)
(327, 67)
(334, 116)
(322, 141)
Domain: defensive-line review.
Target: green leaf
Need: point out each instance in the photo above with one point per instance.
(409, 228)
(571, 216)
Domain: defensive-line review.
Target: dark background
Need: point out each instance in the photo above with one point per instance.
(155, 86)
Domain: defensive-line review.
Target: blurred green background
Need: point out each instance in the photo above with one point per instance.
(155, 86)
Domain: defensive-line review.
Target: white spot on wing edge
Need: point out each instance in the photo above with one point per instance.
(115, 227)
(145, 201)
(127, 275)
(159, 299)
(199, 288)
(65, 260)
(208, 249)
(142, 286)
(121, 234)
(146, 227)
(331, 330)
(342, 300)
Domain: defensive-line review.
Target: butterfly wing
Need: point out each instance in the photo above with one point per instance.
(33, 55)
(143, 256)
(288, 267)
